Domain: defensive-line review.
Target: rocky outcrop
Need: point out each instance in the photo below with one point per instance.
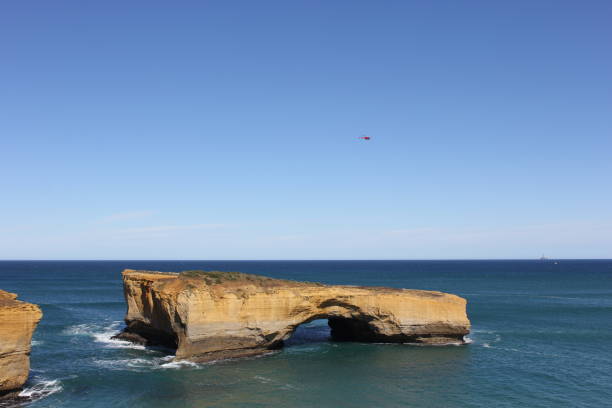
(214, 315)
(18, 321)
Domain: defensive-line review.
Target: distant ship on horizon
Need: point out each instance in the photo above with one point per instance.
(544, 258)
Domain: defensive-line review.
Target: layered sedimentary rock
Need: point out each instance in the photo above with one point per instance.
(18, 321)
(214, 315)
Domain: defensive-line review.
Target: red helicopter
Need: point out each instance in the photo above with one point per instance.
(365, 137)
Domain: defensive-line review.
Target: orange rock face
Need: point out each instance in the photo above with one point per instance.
(214, 315)
(18, 321)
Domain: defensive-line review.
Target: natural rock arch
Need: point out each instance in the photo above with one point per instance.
(213, 315)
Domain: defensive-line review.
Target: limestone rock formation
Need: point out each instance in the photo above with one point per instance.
(18, 321)
(214, 315)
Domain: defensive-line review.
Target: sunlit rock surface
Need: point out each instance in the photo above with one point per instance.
(215, 315)
(18, 321)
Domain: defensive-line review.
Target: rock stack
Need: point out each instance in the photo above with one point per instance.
(18, 321)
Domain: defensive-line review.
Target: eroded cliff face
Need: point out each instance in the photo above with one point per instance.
(18, 321)
(213, 315)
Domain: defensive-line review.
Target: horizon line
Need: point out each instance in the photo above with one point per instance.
(303, 260)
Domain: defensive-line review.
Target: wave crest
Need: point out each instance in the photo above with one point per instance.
(102, 334)
(41, 389)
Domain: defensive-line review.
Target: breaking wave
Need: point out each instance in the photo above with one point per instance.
(153, 363)
(483, 338)
(102, 334)
(181, 364)
(41, 389)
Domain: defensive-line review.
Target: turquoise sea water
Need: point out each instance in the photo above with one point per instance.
(542, 337)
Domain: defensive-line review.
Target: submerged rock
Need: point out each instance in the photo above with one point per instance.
(214, 315)
(18, 321)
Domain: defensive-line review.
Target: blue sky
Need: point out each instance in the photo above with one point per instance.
(229, 129)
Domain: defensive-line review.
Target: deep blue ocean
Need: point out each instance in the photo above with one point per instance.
(541, 337)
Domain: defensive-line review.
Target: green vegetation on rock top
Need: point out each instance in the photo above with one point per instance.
(216, 277)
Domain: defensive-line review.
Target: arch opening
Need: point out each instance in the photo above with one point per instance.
(326, 328)
(314, 331)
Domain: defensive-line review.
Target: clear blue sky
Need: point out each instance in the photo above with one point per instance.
(229, 129)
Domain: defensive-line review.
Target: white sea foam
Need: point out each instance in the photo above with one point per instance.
(41, 389)
(108, 341)
(154, 363)
(37, 342)
(180, 364)
(126, 364)
(102, 334)
(483, 337)
(131, 364)
(79, 330)
(467, 340)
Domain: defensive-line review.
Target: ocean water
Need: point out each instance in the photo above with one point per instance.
(542, 337)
